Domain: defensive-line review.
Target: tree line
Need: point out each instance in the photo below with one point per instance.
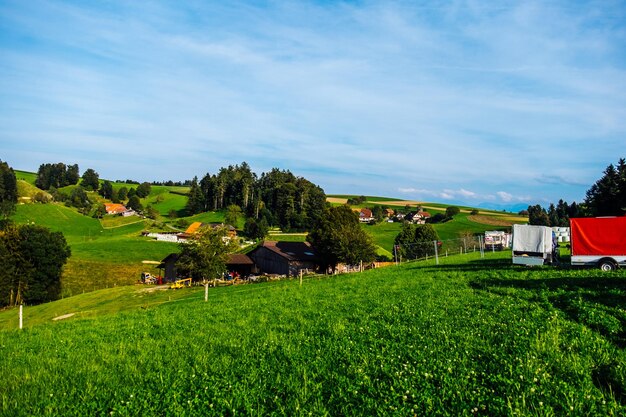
(276, 198)
(606, 197)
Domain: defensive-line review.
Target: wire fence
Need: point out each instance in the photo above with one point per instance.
(438, 249)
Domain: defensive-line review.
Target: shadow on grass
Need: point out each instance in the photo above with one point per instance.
(595, 301)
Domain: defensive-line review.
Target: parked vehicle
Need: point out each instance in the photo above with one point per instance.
(497, 240)
(599, 241)
(534, 245)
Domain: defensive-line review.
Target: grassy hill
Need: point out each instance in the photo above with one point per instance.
(101, 256)
(469, 337)
(110, 251)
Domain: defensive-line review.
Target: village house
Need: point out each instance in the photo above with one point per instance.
(115, 208)
(285, 258)
(195, 226)
(417, 217)
(365, 215)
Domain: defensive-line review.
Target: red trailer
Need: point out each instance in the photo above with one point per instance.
(599, 241)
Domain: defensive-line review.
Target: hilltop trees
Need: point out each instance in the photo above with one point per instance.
(338, 237)
(56, 175)
(32, 258)
(8, 190)
(279, 197)
(90, 180)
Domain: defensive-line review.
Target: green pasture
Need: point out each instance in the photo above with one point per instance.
(384, 233)
(101, 256)
(467, 337)
(163, 200)
(29, 177)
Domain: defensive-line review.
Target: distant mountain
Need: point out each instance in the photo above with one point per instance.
(514, 208)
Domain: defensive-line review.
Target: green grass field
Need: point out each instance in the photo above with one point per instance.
(101, 256)
(469, 337)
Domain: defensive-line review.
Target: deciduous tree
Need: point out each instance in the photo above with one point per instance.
(90, 180)
(338, 237)
(32, 258)
(204, 256)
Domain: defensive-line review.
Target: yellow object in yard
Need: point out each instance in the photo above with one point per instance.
(181, 283)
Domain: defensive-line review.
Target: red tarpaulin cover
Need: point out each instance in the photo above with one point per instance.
(599, 236)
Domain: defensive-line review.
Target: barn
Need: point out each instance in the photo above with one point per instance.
(285, 258)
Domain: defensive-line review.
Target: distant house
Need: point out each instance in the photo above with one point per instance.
(365, 215)
(195, 226)
(389, 213)
(114, 208)
(285, 258)
(417, 217)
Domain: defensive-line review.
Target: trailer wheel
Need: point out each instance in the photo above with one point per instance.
(607, 265)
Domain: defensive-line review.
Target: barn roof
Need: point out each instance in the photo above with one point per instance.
(239, 259)
(114, 208)
(292, 251)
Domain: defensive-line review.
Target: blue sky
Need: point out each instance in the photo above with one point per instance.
(497, 103)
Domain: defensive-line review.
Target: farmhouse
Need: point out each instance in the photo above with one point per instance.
(113, 208)
(285, 258)
(365, 215)
(195, 226)
(417, 217)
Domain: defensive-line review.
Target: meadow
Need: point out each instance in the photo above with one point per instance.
(468, 337)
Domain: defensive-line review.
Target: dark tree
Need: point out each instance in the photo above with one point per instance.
(78, 198)
(416, 241)
(90, 180)
(255, 229)
(607, 197)
(8, 190)
(537, 216)
(134, 203)
(72, 176)
(56, 175)
(452, 211)
(106, 190)
(143, 190)
(338, 237)
(122, 193)
(32, 258)
(195, 203)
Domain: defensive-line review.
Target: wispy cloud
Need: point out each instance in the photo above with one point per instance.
(366, 98)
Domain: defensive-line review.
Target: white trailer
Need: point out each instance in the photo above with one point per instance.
(497, 240)
(533, 245)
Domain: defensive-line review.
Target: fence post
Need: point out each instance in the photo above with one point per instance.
(206, 292)
(436, 253)
(300, 277)
(21, 315)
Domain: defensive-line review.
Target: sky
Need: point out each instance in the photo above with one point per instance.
(491, 104)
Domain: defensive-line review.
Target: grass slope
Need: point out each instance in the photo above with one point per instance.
(475, 338)
(101, 256)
